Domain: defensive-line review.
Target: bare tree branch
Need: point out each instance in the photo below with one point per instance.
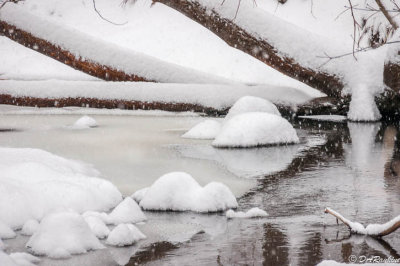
(386, 14)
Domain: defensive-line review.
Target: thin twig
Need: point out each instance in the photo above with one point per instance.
(101, 16)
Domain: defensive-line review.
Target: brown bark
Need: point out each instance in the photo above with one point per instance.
(87, 66)
(238, 38)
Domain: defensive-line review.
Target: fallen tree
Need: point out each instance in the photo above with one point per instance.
(375, 230)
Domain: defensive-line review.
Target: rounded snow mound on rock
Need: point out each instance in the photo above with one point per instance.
(255, 129)
(85, 122)
(207, 129)
(178, 191)
(62, 234)
(251, 104)
(128, 211)
(124, 235)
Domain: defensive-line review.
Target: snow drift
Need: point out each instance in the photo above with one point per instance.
(178, 191)
(207, 129)
(248, 104)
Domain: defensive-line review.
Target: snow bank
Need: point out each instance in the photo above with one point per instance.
(255, 129)
(62, 234)
(207, 129)
(178, 191)
(128, 211)
(124, 235)
(30, 227)
(211, 95)
(249, 104)
(98, 227)
(34, 182)
(252, 213)
(6, 260)
(362, 105)
(24, 259)
(5, 231)
(85, 122)
(332, 118)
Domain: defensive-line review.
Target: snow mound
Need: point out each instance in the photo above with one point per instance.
(250, 104)
(62, 234)
(85, 122)
(139, 195)
(24, 259)
(101, 215)
(2, 245)
(252, 213)
(362, 106)
(178, 191)
(34, 182)
(5, 231)
(30, 227)
(207, 129)
(124, 235)
(128, 211)
(6, 260)
(97, 226)
(255, 129)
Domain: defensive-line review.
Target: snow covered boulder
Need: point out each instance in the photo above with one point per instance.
(97, 226)
(30, 227)
(178, 191)
(5, 231)
(128, 211)
(207, 129)
(62, 234)
(250, 104)
(85, 122)
(34, 182)
(6, 260)
(139, 195)
(24, 259)
(124, 235)
(252, 213)
(255, 129)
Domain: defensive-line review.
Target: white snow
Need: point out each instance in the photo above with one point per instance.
(124, 235)
(178, 191)
(98, 227)
(139, 195)
(252, 213)
(128, 211)
(30, 227)
(85, 122)
(6, 260)
(362, 105)
(62, 234)
(34, 182)
(335, 263)
(2, 245)
(101, 215)
(255, 129)
(24, 259)
(208, 129)
(371, 229)
(5, 231)
(332, 118)
(210, 95)
(248, 104)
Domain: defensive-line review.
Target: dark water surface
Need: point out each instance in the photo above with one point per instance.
(355, 171)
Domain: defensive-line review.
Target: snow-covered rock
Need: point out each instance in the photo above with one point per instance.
(178, 191)
(30, 227)
(85, 122)
(139, 195)
(101, 215)
(97, 226)
(252, 213)
(250, 104)
(207, 129)
(255, 129)
(5, 231)
(6, 260)
(62, 234)
(124, 235)
(34, 182)
(362, 106)
(128, 211)
(24, 259)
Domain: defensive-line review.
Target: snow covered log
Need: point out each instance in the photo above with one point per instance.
(239, 38)
(91, 55)
(375, 230)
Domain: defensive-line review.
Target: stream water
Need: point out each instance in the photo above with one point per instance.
(351, 167)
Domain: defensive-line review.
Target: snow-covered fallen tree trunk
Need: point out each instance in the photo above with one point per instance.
(375, 230)
(239, 38)
(91, 55)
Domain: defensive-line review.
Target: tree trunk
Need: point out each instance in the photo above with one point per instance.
(238, 38)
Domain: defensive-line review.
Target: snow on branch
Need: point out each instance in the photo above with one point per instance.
(4, 2)
(375, 230)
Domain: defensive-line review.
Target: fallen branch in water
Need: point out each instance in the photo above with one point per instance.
(375, 230)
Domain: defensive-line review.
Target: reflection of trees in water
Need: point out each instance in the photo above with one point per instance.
(312, 251)
(275, 247)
